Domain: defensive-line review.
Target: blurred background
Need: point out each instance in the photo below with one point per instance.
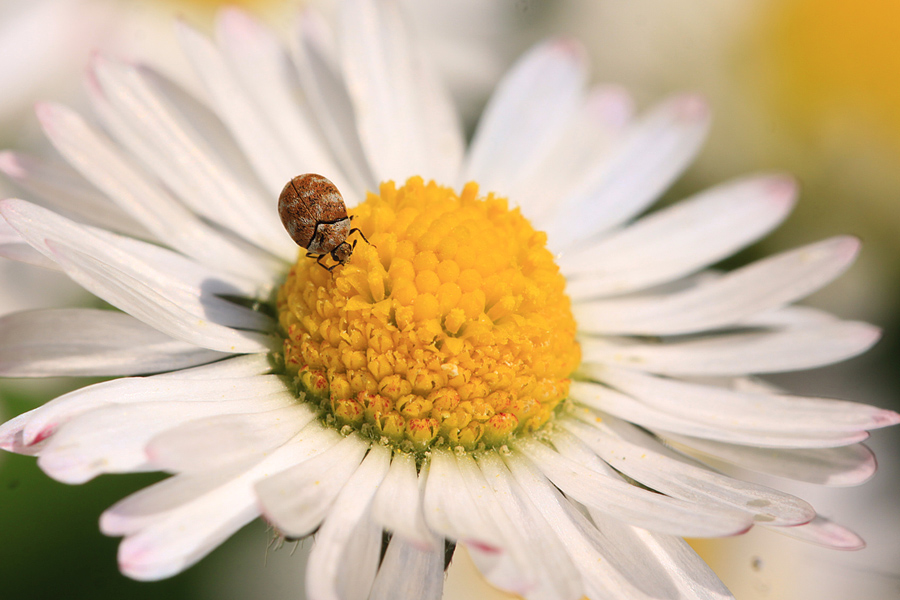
(810, 87)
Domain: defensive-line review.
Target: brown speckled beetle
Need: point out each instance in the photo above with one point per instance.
(313, 212)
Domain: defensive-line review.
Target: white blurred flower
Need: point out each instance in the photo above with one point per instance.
(432, 387)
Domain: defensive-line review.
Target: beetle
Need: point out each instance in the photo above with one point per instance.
(313, 212)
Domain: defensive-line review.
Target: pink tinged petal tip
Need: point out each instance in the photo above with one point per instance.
(11, 165)
(824, 532)
(570, 48)
(691, 107)
(781, 189)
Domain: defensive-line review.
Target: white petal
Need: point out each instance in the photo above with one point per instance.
(692, 576)
(738, 354)
(843, 466)
(14, 247)
(589, 136)
(149, 505)
(762, 286)
(296, 500)
(80, 342)
(825, 533)
(269, 157)
(788, 317)
(617, 560)
(528, 537)
(12, 438)
(144, 121)
(151, 295)
(124, 285)
(409, 572)
(114, 439)
(640, 457)
(63, 189)
(605, 568)
(745, 410)
(37, 225)
(451, 510)
(173, 544)
(329, 575)
(653, 155)
(397, 506)
(407, 122)
(527, 113)
(510, 569)
(46, 419)
(330, 102)
(633, 505)
(170, 540)
(681, 239)
(246, 365)
(216, 442)
(99, 161)
(629, 409)
(261, 63)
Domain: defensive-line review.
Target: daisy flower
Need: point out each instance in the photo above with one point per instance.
(510, 359)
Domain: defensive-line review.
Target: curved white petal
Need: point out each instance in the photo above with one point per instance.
(45, 419)
(826, 533)
(397, 506)
(14, 247)
(633, 505)
(762, 286)
(297, 499)
(270, 158)
(527, 113)
(101, 163)
(407, 122)
(745, 410)
(143, 120)
(261, 63)
(218, 326)
(63, 189)
(100, 264)
(114, 439)
(681, 239)
(527, 532)
(625, 407)
(329, 101)
(605, 569)
(170, 540)
(331, 574)
(589, 136)
(638, 456)
(222, 440)
(409, 572)
(245, 365)
(451, 510)
(842, 466)
(793, 349)
(86, 342)
(150, 504)
(653, 155)
(615, 559)
(672, 555)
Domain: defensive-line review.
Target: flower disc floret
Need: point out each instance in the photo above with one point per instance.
(451, 328)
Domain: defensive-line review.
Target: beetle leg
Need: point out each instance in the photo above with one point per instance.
(319, 261)
(349, 233)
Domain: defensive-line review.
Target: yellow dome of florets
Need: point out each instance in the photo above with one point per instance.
(451, 328)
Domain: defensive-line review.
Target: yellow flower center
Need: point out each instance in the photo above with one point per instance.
(452, 328)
